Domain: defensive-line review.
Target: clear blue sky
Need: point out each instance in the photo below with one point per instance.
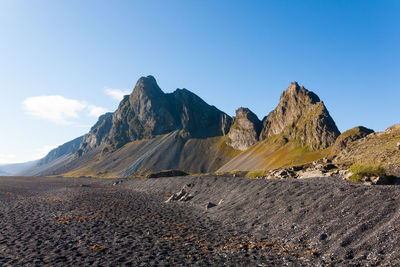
(58, 58)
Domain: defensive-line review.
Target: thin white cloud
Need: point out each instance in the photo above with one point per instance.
(58, 109)
(54, 108)
(96, 111)
(116, 94)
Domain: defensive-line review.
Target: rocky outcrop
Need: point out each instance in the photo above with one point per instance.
(97, 134)
(348, 136)
(375, 149)
(393, 128)
(245, 129)
(182, 195)
(303, 117)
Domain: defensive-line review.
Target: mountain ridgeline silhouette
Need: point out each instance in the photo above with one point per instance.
(152, 130)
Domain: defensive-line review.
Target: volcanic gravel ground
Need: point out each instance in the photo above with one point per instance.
(114, 222)
(61, 222)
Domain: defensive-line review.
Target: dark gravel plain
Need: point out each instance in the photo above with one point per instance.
(98, 222)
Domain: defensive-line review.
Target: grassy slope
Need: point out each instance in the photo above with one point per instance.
(193, 155)
(375, 149)
(273, 153)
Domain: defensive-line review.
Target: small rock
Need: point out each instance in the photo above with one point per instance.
(378, 180)
(181, 194)
(311, 174)
(186, 197)
(171, 198)
(344, 174)
(323, 236)
(84, 185)
(210, 205)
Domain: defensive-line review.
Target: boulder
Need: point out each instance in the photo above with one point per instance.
(210, 205)
(169, 173)
(182, 195)
(379, 180)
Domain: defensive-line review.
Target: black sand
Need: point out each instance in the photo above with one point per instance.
(61, 221)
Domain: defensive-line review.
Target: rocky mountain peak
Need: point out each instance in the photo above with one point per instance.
(245, 129)
(146, 86)
(297, 93)
(303, 117)
(148, 112)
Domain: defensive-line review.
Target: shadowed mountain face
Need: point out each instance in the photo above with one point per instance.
(303, 117)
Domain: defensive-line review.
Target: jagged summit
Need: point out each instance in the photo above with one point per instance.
(299, 92)
(303, 117)
(245, 129)
(146, 86)
(148, 111)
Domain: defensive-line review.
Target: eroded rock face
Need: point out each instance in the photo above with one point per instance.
(303, 117)
(245, 129)
(141, 115)
(97, 134)
(68, 148)
(349, 136)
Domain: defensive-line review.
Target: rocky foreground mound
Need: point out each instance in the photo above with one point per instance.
(380, 149)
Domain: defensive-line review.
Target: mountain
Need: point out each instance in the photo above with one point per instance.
(298, 130)
(149, 112)
(153, 131)
(150, 131)
(303, 117)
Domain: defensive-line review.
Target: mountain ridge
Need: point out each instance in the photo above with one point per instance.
(153, 131)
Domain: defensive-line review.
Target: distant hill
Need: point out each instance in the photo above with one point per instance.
(16, 168)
